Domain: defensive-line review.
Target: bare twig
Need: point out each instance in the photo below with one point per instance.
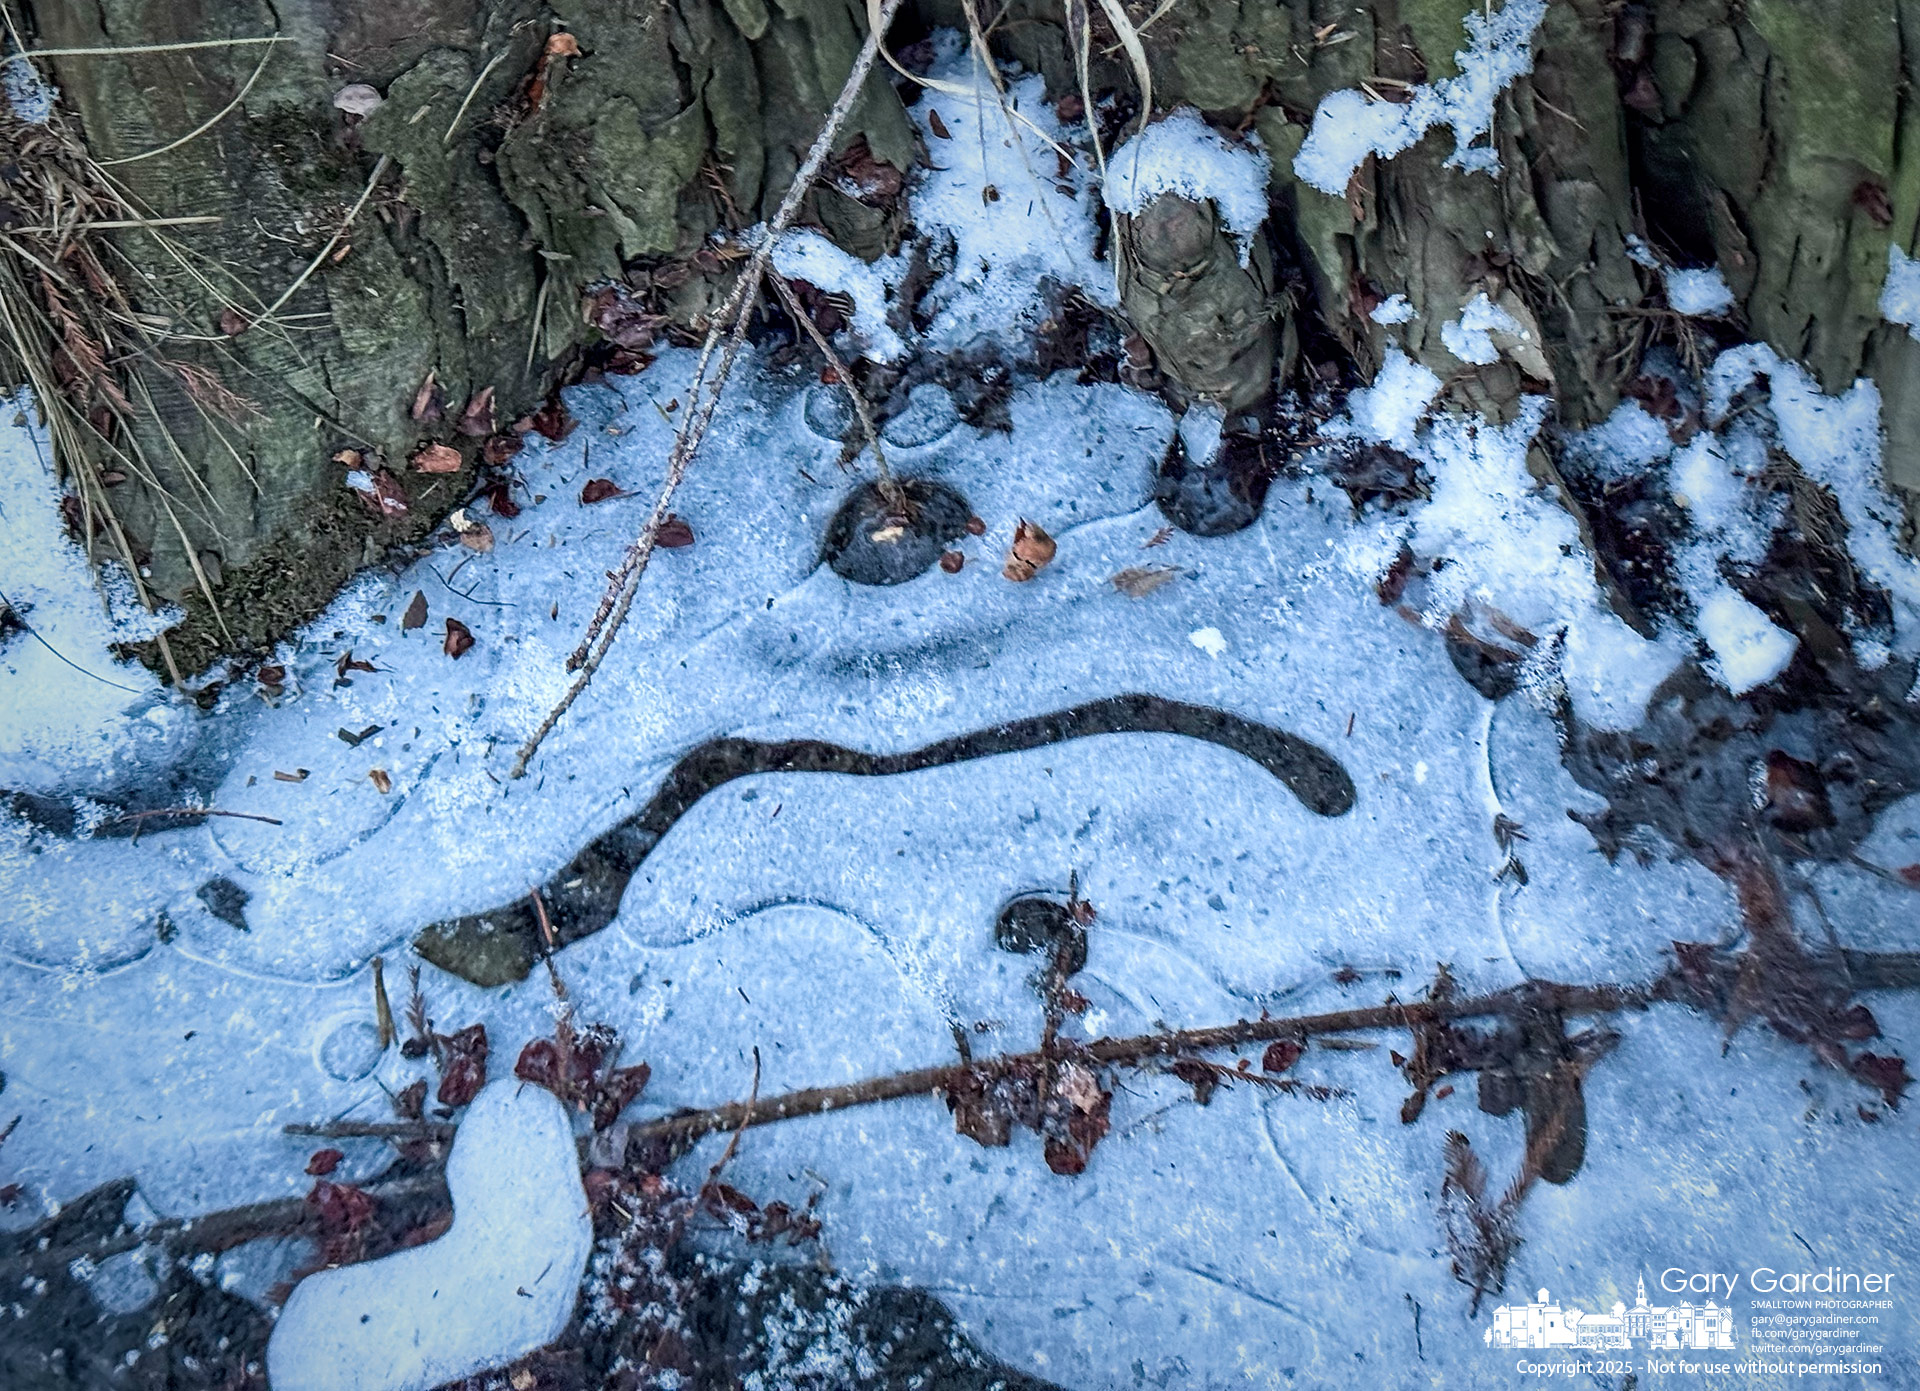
(704, 400)
(137, 818)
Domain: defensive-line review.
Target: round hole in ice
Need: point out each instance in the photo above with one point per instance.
(350, 1050)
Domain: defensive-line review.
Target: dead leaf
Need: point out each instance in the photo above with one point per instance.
(938, 126)
(378, 777)
(466, 1066)
(275, 675)
(1159, 538)
(459, 640)
(1032, 550)
(952, 562)
(348, 663)
(233, 323)
(601, 490)
(386, 495)
(976, 527)
(437, 458)
(428, 402)
(563, 45)
(358, 99)
(478, 537)
(1281, 1054)
(350, 458)
(416, 614)
(552, 420)
(477, 419)
(324, 1162)
(674, 533)
(1138, 581)
(497, 449)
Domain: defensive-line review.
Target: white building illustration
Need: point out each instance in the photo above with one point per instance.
(1661, 1327)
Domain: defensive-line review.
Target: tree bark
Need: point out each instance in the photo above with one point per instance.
(1773, 139)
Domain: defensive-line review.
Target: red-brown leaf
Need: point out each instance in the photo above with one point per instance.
(553, 420)
(1889, 1074)
(459, 639)
(436, 458)
(324, 1161)
(601, 490)
(674, 533)
(341, 1207)
(466, 1070)
(1281, 1054)
(477, 419)
(416, 614)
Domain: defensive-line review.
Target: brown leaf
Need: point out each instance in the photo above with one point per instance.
(437, 458)
(501, 447)
(233, 323)
(340, 1206)
(500, 500)
(410, 1101)
(1159, 538)
(601, 490)
(387, 496)
(350, 458)
(459, 638)
(1281, 1054)
(1910, 874)
(952, 562)
(428, 402)
(976, 527)
(563, 45)
(1032, 550)
(674, 533)
(416, 614)
(938, 126)
(275, 675)
(553, 420)
(465, 1072)
(477, 536)
(324, 1162)
(378, 777)
(348, 662)
(477, 419)
(1889, 1074)
(1138, 581)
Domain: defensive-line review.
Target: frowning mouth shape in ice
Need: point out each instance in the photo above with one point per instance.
(502, 944)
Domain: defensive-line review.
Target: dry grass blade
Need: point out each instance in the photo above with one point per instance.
(205, 125)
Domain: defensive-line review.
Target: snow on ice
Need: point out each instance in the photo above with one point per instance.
(501, 1282)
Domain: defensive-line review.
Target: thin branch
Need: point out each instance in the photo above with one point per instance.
(926, 1081)
(704, 399)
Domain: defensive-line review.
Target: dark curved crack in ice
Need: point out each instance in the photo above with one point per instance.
(502, 944)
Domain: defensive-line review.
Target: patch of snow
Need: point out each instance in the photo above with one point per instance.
(76, 716)
(1470, 337)
(1394, 309)
(1700, 293)
(1900, 294)
(1348, 126)
(1208, 640)
(803, 254)
(1748, 650)
(1392, 407)
(1640, 253)
(1836, 441)
(499, 1284)
(1016, 225)
(1183, 155)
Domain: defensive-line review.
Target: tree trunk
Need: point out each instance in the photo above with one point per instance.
(1769, 137)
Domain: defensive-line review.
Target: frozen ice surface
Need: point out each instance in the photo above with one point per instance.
(500, 1283)
(1698, 293)
(76, 718)
(1348, 126)
(1183, 155)
(1900, 293)
(845, 925)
